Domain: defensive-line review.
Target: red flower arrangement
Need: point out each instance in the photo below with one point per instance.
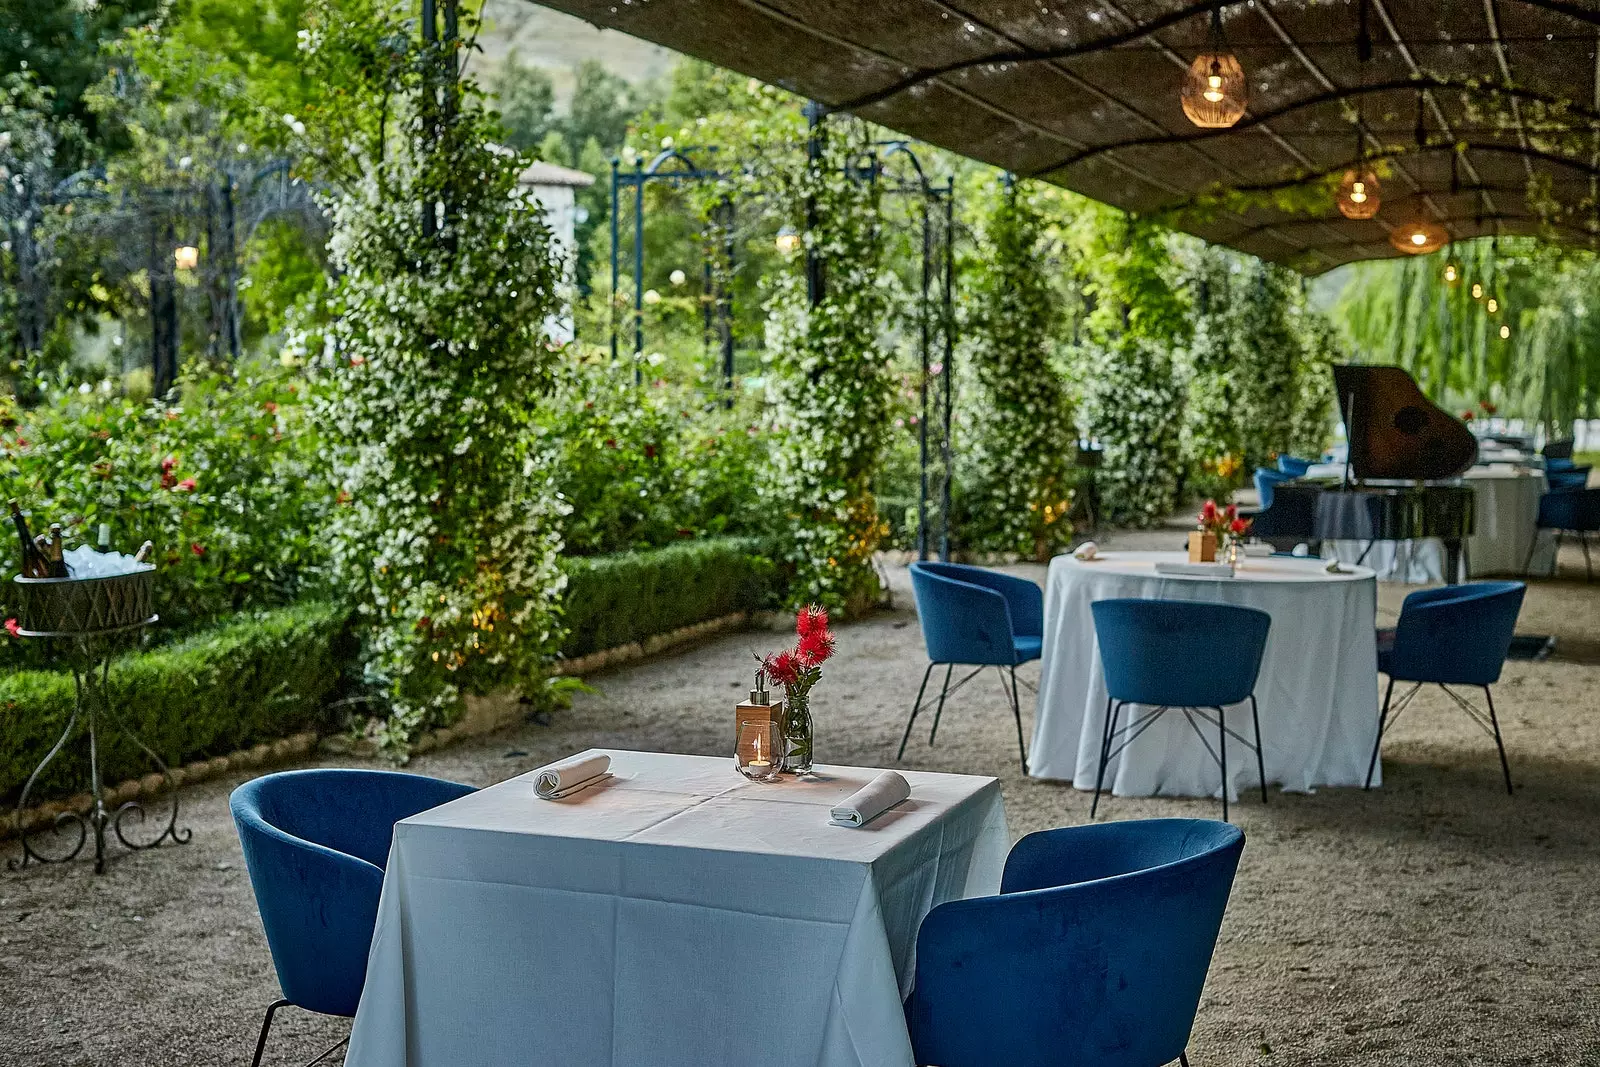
(797, 669)
(1224, 523)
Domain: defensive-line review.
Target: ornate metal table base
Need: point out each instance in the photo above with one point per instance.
(91, 669)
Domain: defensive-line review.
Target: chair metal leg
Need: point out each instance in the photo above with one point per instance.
(266, 1024)
(944, 691)
(1113, 709)
(1183, 1059)
(1527, 564)
(1383, 718)
(1016, 712)
(1505, 767)
(916, 707)
(1222, 759)
(1261, 759)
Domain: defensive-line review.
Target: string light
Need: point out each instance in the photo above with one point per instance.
(1505, 332)
(1493, 305)
(1477, 291)
(1451, 275)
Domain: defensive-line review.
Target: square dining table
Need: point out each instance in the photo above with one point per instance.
(675, 914)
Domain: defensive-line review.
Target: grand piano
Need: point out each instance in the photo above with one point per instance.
(1400, 480)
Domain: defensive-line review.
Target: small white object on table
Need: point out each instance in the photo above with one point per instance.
(1317, 691)
(675, 915)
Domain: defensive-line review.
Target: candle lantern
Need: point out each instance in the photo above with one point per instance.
(757, 756)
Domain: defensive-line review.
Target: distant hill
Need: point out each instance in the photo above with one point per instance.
(559, 42)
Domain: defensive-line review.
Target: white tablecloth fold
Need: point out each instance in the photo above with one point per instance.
(699, 920)
(872, 799)
(569, 775)
(1317, 691)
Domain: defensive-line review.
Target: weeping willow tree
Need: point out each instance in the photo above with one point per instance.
(1519, 326)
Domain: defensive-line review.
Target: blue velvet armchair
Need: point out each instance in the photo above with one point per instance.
(1457, 635)
(976, 618)
(1164, 655)
(316, 843)
(1575, 511)
(1094, 953)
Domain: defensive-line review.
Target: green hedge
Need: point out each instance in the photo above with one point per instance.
(615, 600)
(257, 679)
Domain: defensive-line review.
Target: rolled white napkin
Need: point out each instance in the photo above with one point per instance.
(1087, 550)
(570, 775)
(871, 800)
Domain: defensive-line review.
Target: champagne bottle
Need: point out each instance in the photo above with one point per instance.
(143, 554)
(34, 565)
(58, 562)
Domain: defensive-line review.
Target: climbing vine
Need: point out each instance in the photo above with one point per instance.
(1018, 428)
(829, 381)
(428, 366)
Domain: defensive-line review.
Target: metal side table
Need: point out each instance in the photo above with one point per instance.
(93, 617)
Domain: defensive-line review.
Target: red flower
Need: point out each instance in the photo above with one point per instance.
(168, 463)
(783, 667)
(1208, 512)
(812, 619)
(815, 648)
(611, 442)
(649, 451)
(1238, 527)
(1232, 512)
(1466, 416)
(13, 628)
(187, 485)
(1488, 407)
(271, 406)
(198, 549)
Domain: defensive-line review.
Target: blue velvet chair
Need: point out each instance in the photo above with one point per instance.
(1265, 480)
(1293, 466)
(972, 617)
(1567, 511)
(1568, 479)
(1093, 955)
(1182, 654)
(316, 843)
(1455, 635)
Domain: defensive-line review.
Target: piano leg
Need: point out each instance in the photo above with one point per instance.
(1453, 554)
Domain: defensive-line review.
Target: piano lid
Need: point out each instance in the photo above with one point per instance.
(1397, 433)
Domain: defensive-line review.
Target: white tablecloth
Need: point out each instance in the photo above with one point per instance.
(1507, 509)
(1318, 687)
(676, 916)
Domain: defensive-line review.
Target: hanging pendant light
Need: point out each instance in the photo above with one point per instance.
(1214, 93)
(1419, 235)
(1359, 193)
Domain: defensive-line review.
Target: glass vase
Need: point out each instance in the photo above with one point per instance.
(797, 733)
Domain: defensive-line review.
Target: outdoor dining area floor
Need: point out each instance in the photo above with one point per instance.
(1434, 919)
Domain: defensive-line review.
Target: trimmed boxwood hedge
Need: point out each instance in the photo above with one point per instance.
(256, 679)
(266, 676)
(616, 600)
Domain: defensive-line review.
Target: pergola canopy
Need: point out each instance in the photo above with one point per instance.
(1481, 115)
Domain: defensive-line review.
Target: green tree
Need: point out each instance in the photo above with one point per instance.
(526, 98)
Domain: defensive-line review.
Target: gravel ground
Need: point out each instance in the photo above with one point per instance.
(1433, 921)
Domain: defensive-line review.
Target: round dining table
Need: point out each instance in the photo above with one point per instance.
(1317, 690)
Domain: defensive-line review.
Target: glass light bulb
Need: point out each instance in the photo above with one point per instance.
(1477, 291)
(1505, 332)
(1450, 272)
(1494, 305)
(1419, 238)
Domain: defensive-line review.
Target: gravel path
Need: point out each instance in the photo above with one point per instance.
(1433, 921)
